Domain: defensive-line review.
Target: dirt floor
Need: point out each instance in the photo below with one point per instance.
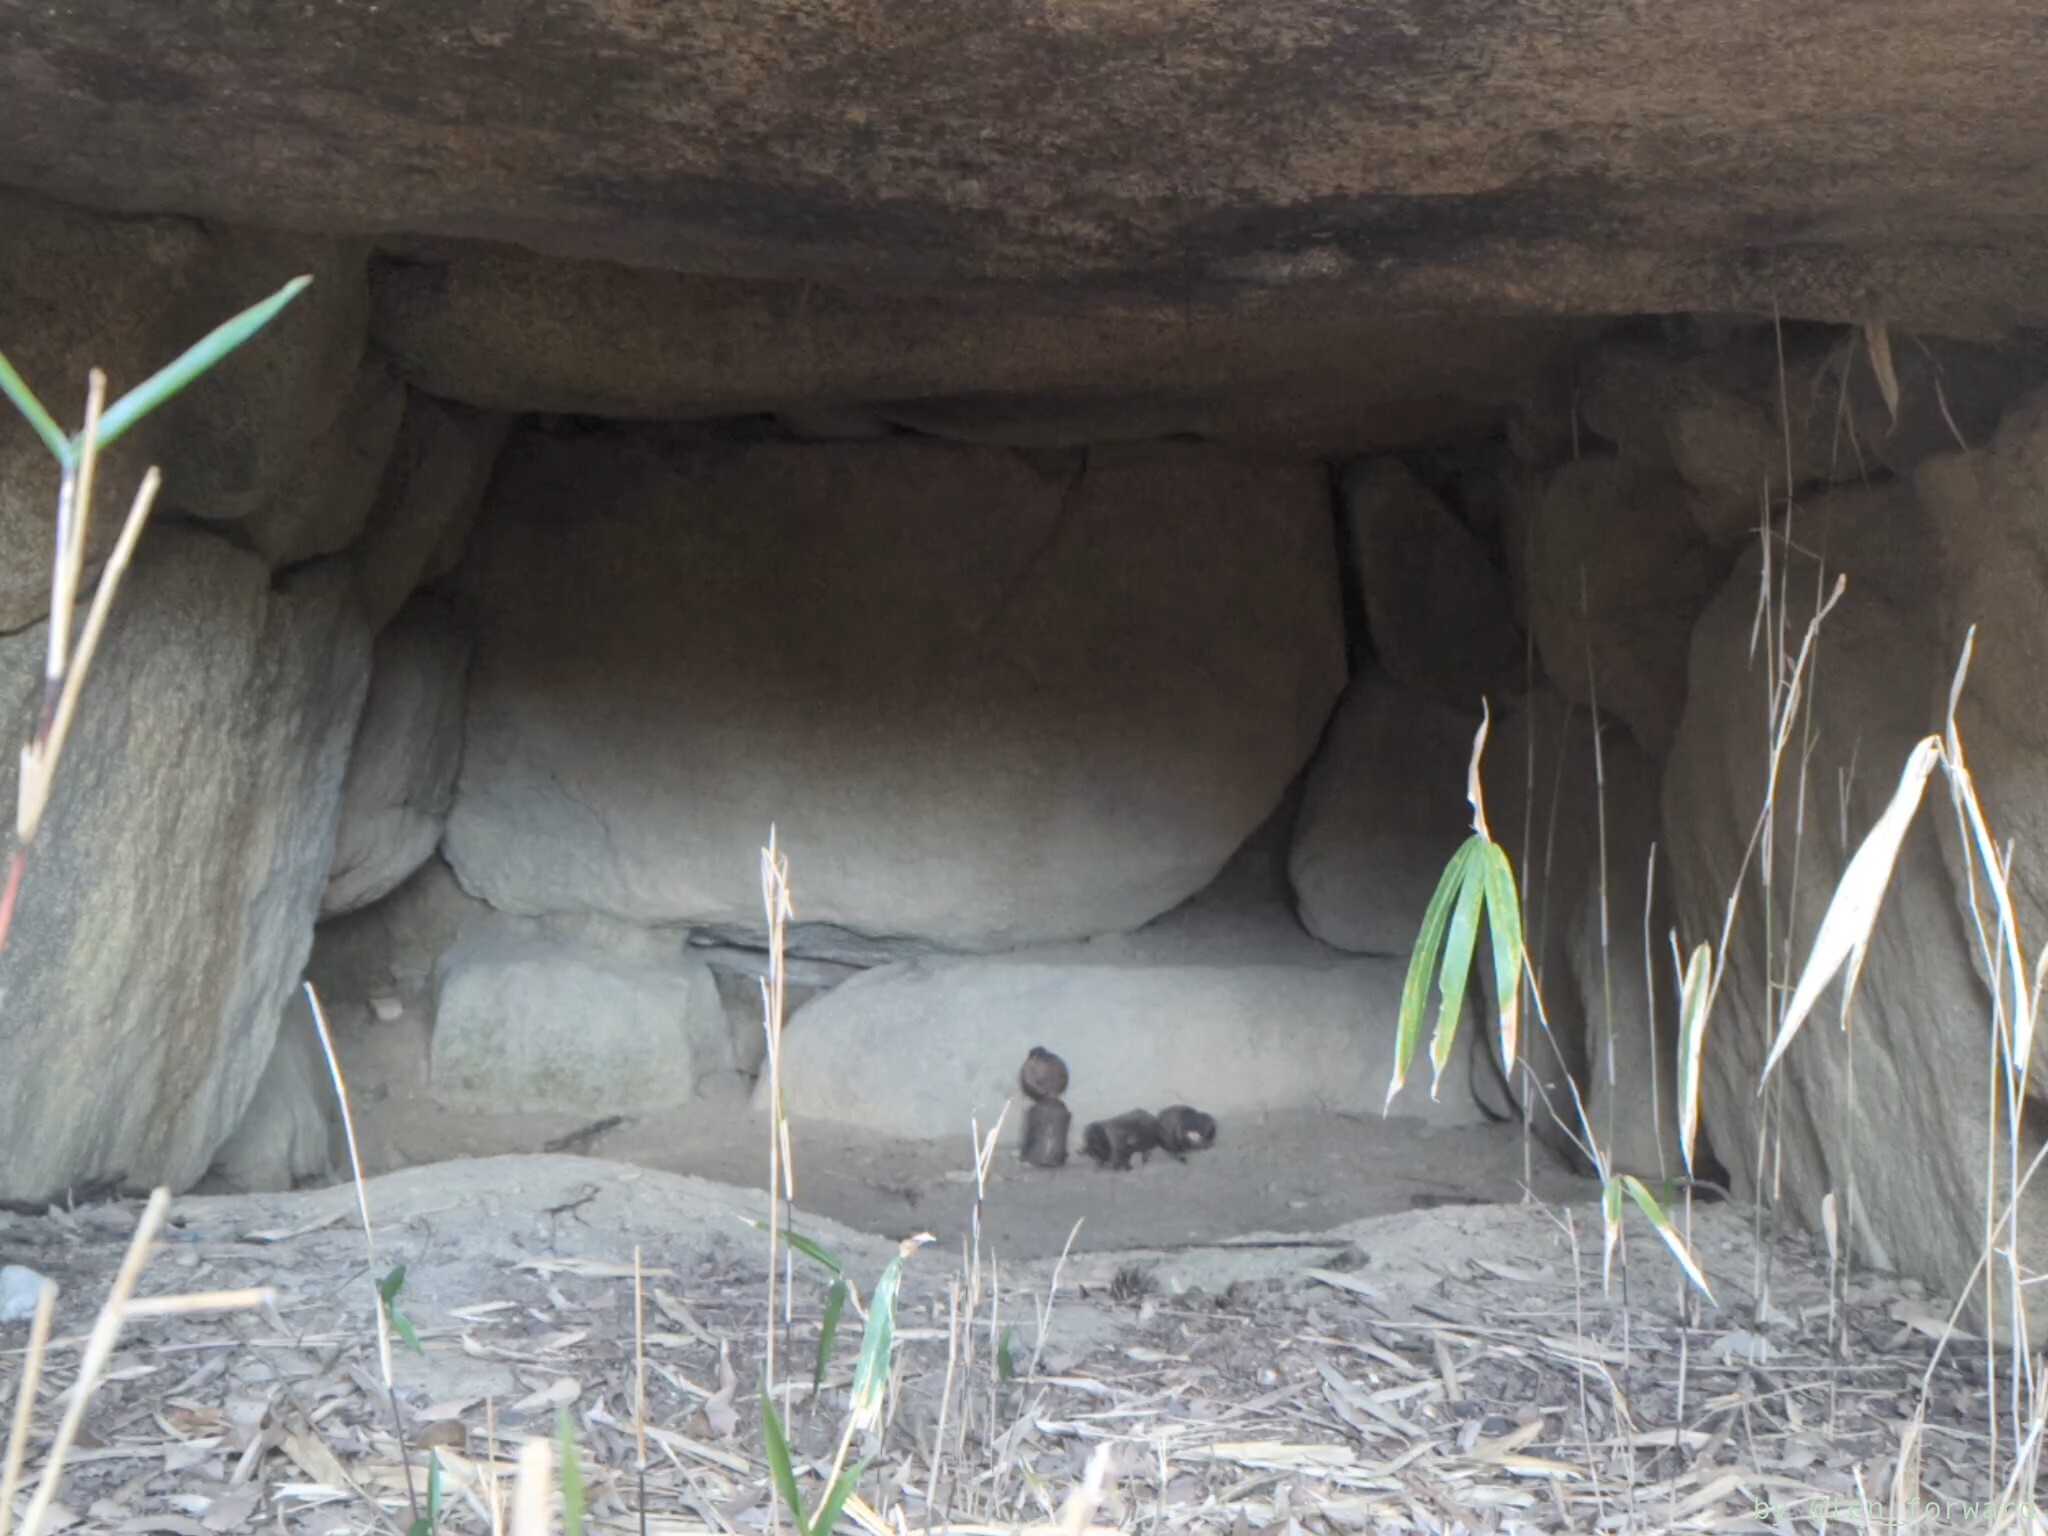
(1279, 1172)
(1459, 1369)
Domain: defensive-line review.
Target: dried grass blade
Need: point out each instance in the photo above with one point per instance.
(1694, 993)
(1877, 336)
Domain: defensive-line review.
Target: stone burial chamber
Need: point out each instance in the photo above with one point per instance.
(1079, 479)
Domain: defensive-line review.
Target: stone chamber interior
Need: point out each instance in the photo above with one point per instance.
(1108, 672)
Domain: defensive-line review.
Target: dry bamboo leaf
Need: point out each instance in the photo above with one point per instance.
(559, 1393)
(1280, 1455)
(674, 1441)
(1351, 1283)
(588, 1269)
(718, 1410)
(1502, 1447)
(1852, 914)
(311, 1455)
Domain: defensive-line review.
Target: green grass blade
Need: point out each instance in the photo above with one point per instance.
(835, 1501)
(15, 387)
(777, 1446)
(1504, 926)
(816, 1252)
(1692, 1039)
(1456, 973)
(424, 1526)
(1006, 1356)
(191, 363)
(1422, 964)
(1610, 1227)
(1659, 1219)
(573, 1500)
(828, 1333)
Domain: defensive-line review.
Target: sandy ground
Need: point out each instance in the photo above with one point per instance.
(1276, 1173)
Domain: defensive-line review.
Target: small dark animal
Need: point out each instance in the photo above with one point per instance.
(1045, 1133)
(1043, 1076)
(1132, 1283)
(1183, 1128)
(1113, 1143)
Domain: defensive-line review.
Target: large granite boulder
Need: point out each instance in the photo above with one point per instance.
(401, 768)
(986, 699)
(1989, 509)
(1383, 811)
(526, 1024)
(1618, 568)
(1887, 1116)
(1468, 158)
(1435, 606)
(1233, 1016)
(169, 909)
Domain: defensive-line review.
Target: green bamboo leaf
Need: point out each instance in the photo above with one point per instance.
(877, 1342)
(1692, 1039)
(1647, 1202)
(190, 364)
(16, 389)
(827, 1518)
(1006, 1358)
(572, 1476)
(1456, 972)
(1422, 964)
(1504, 926)
(777, 1446)
(828, 1333)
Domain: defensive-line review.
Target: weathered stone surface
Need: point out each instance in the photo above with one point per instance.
(1911, 1135)
(1618, 570)
(325, 502)
(286, 1132)
(1230, 1016)
(1383, 813)
(393, 945)
(1989, 509)
(507, 329)
(170, 908)
(932, 668)
(1435, 606)
(1304, 141)
(234, 439)
(401, 768)
(529, 1025)
(79, 291)
(1560, 814)
(432, 487)
(1711, 420)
